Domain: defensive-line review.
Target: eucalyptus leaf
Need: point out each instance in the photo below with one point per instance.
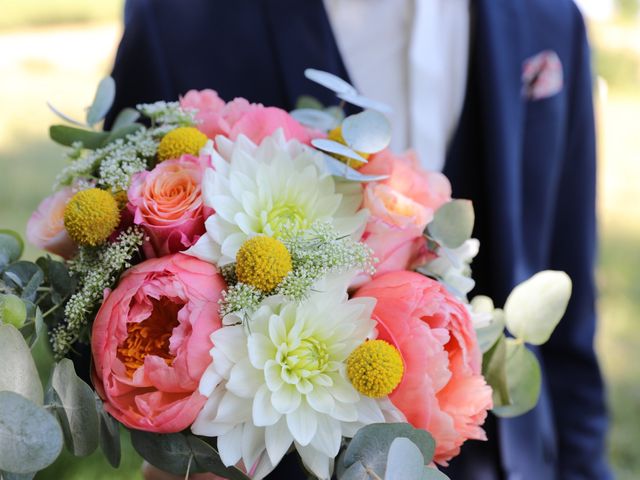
(34, 326)
(171, 452)
(361, 101)
(109, 436)
(11, 247)
(17, 476)
(67, 136)
(13, 310)
(18, 373)
(342, 170)
(331, 146)
(357, 471)
(316, 119)
(57, 275)
(329, 80)
(489, 334)
(77, 412)
(432, 473)
(25, 278)
(534, 308)
(307, 101)
(452, 223)
(367, 131)
(405, 461)
(64, 116)
(105, 95)
(371, 444)
(523, 380)
(495, 373)
(125, 118)
(30, 437)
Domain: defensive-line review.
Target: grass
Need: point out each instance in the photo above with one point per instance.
(64, 65)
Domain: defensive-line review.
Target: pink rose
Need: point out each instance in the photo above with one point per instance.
(45, 228)
(167, 203)
(239, 117)
(442, 390)
(150, 342)
(401, 207)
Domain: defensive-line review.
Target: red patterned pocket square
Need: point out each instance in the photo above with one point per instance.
(542, 75)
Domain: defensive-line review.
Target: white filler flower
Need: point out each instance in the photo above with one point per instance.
(264, 189)
(282, 380)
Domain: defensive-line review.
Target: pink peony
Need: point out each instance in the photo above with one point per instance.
(150, 342)
(239, 117)
(401, 207)
(442, 390)
(45, 228)
(167, 203)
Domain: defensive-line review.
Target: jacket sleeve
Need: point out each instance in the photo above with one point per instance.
(140, 69)
(572, 369)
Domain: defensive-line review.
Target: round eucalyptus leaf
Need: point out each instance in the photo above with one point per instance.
(523, 380)
(354, 98)
(337, 148)
(404, 462)
(11, 247)
(169, 452)
(367, 132)
(109, 436)
(317, 119)
(371, 444)
(80, 421)
(356, 472)
(30, 437)
(25, 278)
(534, 308)
(18, 373)
(105, 95)
(17, 476)
(342, 170)
(13, 310)
(452, 223)
(432, 473)
(329, 80)
(125, 118)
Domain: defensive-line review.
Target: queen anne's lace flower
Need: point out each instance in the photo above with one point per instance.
(268, 188)
(281, 379)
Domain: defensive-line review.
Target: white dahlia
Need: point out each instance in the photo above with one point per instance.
(281, 380)
(263, 189)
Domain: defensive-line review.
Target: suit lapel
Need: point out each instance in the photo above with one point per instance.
(302, 37)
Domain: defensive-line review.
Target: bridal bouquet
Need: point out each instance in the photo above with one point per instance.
(254, 283)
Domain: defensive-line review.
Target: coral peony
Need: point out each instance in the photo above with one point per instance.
(167, 203)
(239, 117)
(151, 342)
(401, 207)
(442, 390)
(45, 228)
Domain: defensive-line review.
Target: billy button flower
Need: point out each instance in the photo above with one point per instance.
(263, 262)
(375, 368)
(91, 216)
(336, 136)
(182, 140)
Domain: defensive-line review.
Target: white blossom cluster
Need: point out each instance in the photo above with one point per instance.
(167, 113)
(96, 268)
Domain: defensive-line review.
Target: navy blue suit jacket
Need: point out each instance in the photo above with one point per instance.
(528, 166)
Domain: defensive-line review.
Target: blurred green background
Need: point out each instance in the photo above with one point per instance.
(57, 51)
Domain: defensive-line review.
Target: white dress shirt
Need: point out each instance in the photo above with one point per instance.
(412, 55)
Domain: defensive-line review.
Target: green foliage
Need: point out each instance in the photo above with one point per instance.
(179, 453)
(18, 373)
(104, 97)
(452, 223)
(375, 453)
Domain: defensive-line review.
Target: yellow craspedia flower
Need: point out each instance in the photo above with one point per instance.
(180, 141)
(375, 368)
(263, 262)
(336, 136)
(91, 216)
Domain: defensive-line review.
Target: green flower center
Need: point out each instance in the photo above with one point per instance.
(285, 217)
(308, 358)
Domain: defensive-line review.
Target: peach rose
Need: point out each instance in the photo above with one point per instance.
(150, 342)
(442, 390)
(45, 228)
(239, 117)
(401, 207)
(167, 203)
